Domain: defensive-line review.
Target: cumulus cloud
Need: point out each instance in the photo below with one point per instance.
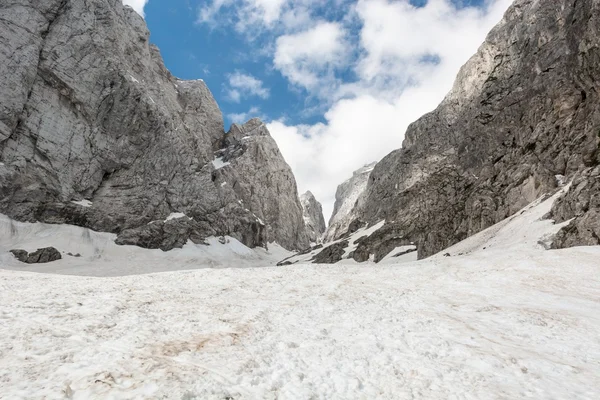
(240, 118)
(247, 14)
(245, 85)
(257, 16)
(137, 5)
(305, 57)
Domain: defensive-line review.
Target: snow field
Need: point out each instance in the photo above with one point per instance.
(500, 318)
(463, 328)
(100, 256)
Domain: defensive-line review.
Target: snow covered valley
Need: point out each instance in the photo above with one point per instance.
(500, 318)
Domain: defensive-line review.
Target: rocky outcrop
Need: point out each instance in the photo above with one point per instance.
(331, 254)
(94, 131)
(40, 256)
(312, 212)
(582, 202)
(524, 110)
(251, 173)
(380, 243)
(346, 197)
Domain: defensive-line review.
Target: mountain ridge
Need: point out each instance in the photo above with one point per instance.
(96, 132)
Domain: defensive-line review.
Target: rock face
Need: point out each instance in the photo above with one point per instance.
(40, 256)
(346, 198)
(524, 110)
(94, 131)
(312, 212)
(331, 254)
(582, 202)
(252, 175)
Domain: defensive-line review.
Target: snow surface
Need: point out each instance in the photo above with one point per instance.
(175, 216)
(499, 318)
(101, 257)
(83, 203)
(407, 254)
(218, 163)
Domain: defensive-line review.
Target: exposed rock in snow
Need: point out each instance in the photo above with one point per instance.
(40, 256)
(88, 110)
(346, 198)
(523, 110)
(332, 254)
(312, 212)
(340, 250)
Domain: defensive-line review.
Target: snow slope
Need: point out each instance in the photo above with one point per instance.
(101, 257)
(505, 322)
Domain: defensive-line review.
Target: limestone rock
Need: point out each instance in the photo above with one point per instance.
(312, 212)
(94, 131)
(21, 255)
(380, 243)
(40, 256)
(331, 254)
(251, 173)
(346, 197)
(523, 110)
(581, 202)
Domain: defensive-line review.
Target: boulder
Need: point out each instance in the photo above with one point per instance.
(40, 256)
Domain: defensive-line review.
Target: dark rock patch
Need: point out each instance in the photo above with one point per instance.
(40, 256)
(331, 254)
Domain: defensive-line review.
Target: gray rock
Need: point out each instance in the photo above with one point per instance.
(21, 255)
(582, 202)
(331, 254)
(89, 112)
(253, 176)
(40, 256)
(312, 212)
(380, 243)
(165, 235)
(346, 197)
(523, 110)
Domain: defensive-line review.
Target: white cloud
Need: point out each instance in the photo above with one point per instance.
(137, 5)
(306, 56)
(247, 14)
(244, 85)
(240, 118)
(257, 16)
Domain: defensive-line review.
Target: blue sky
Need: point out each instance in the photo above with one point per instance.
(193, 50)
(337, 81)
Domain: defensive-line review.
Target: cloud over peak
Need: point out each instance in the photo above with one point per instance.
(137, 5)
(304, 56)
(245, 85)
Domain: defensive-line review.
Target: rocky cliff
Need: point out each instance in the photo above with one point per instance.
(94, 131)
(346, 198)
(313, 217)
(523, 117)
